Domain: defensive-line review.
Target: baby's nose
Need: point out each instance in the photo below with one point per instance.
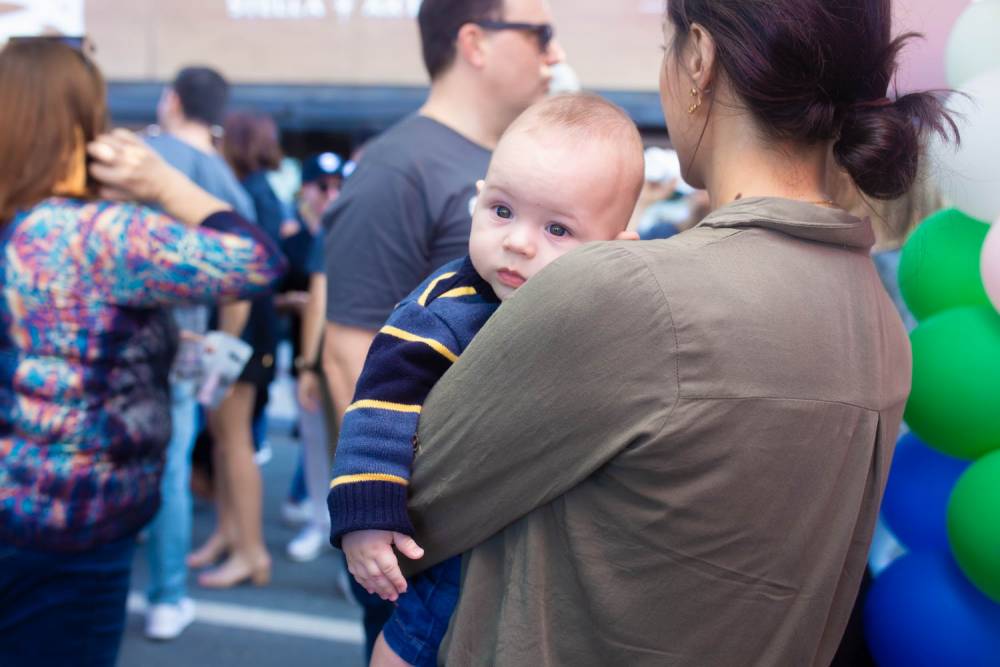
(519, 242)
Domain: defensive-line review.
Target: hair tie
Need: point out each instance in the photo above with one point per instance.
(880, 103)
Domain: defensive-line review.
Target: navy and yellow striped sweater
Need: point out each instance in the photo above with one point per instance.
(422, 338)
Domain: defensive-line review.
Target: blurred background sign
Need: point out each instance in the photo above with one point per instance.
(353, 67)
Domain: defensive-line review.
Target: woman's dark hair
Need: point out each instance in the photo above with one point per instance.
(250, 143)
(816, 70)
(52, 97)
(440, 21)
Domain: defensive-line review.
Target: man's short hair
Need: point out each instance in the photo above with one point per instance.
(440, 21)
(203, 94)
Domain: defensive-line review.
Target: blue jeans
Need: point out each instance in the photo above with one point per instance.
(170, 531)
(63, 609)
(423, 612)
(297, 489)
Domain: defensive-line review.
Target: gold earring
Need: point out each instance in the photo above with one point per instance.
(696, 94)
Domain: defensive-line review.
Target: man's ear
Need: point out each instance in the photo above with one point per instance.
(470, 45)
(170, 102)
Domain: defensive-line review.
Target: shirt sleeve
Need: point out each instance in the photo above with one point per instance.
(568, 373)
(143, 258)
(377, 246)
(371, 470)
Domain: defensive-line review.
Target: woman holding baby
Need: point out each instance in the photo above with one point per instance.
(680, 452)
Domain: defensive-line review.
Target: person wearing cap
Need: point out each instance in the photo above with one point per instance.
(303, 298)
(322, 177)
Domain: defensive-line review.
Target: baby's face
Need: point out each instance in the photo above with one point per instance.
(545, 194)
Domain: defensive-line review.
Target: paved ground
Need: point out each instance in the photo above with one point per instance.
(302, 619)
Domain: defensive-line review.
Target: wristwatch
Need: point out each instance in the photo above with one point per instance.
(302, 364)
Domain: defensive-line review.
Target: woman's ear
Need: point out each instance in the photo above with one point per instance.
(699, 57)
(470, 45)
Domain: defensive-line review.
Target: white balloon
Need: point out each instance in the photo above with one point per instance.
(974, 44)
(969, 176)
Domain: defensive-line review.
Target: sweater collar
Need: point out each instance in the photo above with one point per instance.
(795, 218)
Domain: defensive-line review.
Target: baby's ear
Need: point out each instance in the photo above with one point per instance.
(479, 186)
(627, 236)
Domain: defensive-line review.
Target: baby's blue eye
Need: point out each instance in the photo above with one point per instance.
(557, 230)
(503, 212)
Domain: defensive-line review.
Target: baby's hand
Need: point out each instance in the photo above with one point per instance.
(372, 562)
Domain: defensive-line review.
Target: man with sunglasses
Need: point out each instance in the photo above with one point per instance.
(407, 208)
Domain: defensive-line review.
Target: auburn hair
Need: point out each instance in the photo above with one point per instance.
(52, 97)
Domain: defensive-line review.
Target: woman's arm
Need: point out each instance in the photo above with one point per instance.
(130, 170)
(577, 366)
(141, 257)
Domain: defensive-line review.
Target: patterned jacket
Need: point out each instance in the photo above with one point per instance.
(85, 350)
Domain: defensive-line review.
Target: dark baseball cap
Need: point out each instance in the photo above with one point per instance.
(318, 166)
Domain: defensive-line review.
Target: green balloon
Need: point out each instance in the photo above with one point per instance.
(939, 266)
(954, 404)
(974, 524)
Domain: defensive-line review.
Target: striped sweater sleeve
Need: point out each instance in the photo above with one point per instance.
(371, 470)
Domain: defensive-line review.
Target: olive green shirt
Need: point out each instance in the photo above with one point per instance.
(669, 452)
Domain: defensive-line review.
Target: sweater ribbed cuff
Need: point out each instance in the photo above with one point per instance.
(367, 506)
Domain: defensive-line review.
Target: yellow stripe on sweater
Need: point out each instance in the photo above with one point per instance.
(458, 291)
(382, 405)
(368, 477)
(414, 338)
(430, 288)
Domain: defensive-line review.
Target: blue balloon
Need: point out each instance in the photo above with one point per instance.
(915, 505)
(923, 612)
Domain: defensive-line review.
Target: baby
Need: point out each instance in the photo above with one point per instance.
(567, 172)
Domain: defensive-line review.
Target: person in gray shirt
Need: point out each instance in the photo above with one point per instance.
(406, 210)
(187, 111)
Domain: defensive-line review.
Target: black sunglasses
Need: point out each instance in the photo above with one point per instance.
(325, 186)
(543, 31)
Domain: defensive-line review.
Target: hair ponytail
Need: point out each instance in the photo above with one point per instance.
(819, 70)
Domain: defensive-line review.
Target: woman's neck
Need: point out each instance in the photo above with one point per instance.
(743, 165)
(74, 183)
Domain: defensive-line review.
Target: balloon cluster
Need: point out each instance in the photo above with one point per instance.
(939, 604)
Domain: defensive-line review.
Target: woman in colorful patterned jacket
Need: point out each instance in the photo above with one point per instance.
(86, 345)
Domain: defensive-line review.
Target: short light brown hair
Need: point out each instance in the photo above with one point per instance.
(50, 95)
(592, 118)
(250, 143)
